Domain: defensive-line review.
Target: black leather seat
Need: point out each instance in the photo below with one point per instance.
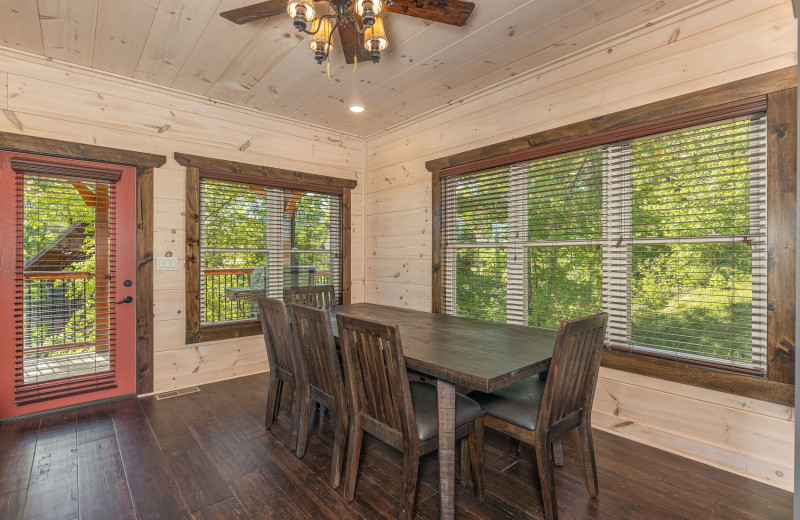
(517, 404)
(424, 399)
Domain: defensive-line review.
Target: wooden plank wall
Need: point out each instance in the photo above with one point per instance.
(71, 103)
(707, 44)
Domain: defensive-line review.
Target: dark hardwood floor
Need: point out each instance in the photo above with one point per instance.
(207, 456)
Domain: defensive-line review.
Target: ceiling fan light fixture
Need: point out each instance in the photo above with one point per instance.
(375, 39)
(368, 10)
(301, 11)
(320, 41)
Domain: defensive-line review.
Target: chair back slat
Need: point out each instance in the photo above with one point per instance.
(317, 349)
(572, 377)
(277, 335)
(320, 296)
(375, 373)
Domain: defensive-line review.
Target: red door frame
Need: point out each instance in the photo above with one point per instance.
(124, 227)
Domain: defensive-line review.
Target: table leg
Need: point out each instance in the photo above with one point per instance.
(447, 448)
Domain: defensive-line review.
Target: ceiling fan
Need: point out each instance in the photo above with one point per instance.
(360, 27)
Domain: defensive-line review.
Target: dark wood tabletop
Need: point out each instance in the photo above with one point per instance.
(481, 355)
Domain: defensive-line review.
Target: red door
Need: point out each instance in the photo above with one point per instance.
(67, 282)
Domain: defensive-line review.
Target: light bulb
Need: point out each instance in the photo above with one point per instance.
(368, 10)
(320, 41)
(375, 39)
(301, 11)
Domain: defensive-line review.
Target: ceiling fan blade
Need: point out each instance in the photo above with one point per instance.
(352, 45)
(452, 12)
(254, 12)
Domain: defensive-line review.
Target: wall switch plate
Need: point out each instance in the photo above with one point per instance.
(166, 263)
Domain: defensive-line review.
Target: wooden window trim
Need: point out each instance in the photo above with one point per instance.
(261, 175)
(779, 87)
(145, 163)
(230, 171)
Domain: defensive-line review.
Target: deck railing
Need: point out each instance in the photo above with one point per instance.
(217, 308)
(58, 309)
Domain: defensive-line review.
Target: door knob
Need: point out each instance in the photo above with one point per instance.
(127, 299)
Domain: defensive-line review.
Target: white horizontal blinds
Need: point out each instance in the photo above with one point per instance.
(565, 233)
(260, 241)
(523, 244)
(65, 277)
(313, 247)
(235, 249)
(516, 254)
(475, 235)
(617, 234)
(693, 244)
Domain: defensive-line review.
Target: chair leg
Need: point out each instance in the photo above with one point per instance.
(272, 400)
(463, 462)
(353, 456)
(587, 448)
(410, 472)
(297, 409)
(305, 419)
(476, 460)
(278, 398)
(514, 447)
(558, 452)
(339, 441)
(544, 464)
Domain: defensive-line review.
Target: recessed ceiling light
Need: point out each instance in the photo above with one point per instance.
(356, 107)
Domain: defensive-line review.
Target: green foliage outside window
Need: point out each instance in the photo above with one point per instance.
(61, 310)
(481, 283)
(686, 295)
(693, 298)
(253, 223)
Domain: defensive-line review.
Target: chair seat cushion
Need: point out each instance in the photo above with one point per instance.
(424, 398)
(517, 404)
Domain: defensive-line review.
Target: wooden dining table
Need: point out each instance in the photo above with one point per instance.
(476, 354)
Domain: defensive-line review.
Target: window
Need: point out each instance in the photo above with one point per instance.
(258, 231)
(666, 232)
(261, 241)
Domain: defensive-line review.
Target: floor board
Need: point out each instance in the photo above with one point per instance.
(207, 456)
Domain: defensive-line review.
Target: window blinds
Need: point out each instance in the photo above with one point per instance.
(65, 320)
(689, 234)
(260, 241)
(666, 232)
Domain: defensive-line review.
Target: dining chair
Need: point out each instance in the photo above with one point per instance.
(322, 379)
(540, 412)
(403, 415)
(284, 366)
(320, 296)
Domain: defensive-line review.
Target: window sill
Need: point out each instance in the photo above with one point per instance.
(227, 331)
(712, 379)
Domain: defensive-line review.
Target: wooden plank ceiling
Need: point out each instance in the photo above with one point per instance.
(267, 65)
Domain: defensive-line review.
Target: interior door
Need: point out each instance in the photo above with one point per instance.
(67, 282)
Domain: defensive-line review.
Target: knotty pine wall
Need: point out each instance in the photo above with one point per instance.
(707, 44)
(71, 103)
